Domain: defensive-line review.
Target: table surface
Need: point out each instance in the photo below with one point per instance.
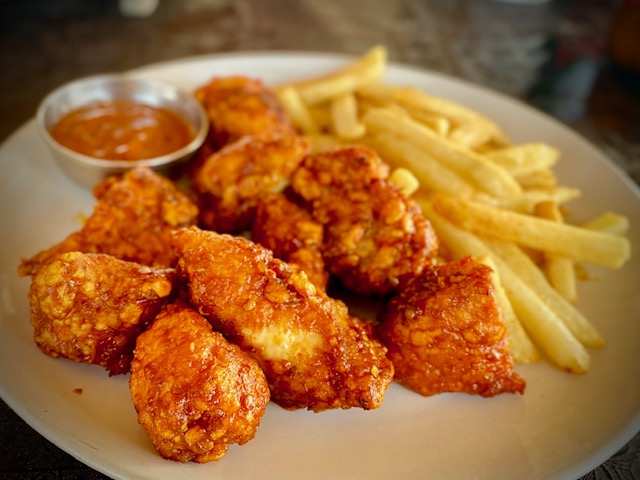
(554, 55)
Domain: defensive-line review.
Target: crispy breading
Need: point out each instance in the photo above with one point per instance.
(195, 393)
(312, 354)
(290, 232)
(90, 308)
(239, 106)
(231, 181)
(376, 238)
(445, 334)
(133, 221)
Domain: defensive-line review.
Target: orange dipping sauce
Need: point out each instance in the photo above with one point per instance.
(123, 130)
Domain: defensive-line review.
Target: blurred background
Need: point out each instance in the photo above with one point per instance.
(578, 60)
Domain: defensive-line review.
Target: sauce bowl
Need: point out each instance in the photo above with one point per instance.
(89, 171)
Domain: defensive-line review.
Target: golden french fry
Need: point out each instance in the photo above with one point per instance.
(438, 124)
(542, 325)
(581, 328)
(471, 135)
(560, 270)
(344, 115)
(526, 202)
(541, 179)
(321, 143)
(432, 175)
(321, 117)
(366, 69)
(484, 174)
(577, 243)
(525, 158)
(297, 110)
(457, 113)
(406, 180)
(609, 222)
(522, 349)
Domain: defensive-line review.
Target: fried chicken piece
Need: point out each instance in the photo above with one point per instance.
(313, 355)
(133, 221)
(290, 232)
(195, 393)
(90, 308)
(376, 238)
(239, 106)
(445, 334)
(231, 181)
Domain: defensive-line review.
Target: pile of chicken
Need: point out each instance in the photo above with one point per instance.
(162, 283)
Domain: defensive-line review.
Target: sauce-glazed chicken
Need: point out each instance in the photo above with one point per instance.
(444, 333)
(290, 232)
(239, 106)
(91, 307)
(376, 238)
(230, 182)
(195, 393)
(133, 221)
(314, 356)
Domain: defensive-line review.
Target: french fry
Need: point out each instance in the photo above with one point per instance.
(560, 270)
(433, 176)
(544, 326)
(580, 244)
(544, 178)
(366, 69)
(526, 202)
(469, 135)
(525, 158)
(321, 143)
(457, 113)
(523, 351)
(579, 326)
(484, 174)
(321, 117)
(297, 110)
(609, 222)
(377, 95)
(406, 180)
(438, 124)
(344, 115)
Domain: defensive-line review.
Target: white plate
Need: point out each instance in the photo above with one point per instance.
(562, 427)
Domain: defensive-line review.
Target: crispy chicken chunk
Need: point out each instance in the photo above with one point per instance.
(133, 221)
(313, 355)
(290, 232)
(239, 106)
(231, 181)
(90, 308)
(376, 238)
(445, 334)
(195, 393)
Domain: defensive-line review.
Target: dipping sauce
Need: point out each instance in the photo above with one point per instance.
(123, 130)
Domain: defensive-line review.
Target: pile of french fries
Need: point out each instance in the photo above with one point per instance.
(486, 197)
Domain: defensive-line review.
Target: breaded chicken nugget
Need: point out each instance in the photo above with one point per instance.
(313, 355)
(195, 393)
(376, 238)
(239, 106)
(133, 221)
(445, 334)
(231, 181)
(90, 308)
(290, 232)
